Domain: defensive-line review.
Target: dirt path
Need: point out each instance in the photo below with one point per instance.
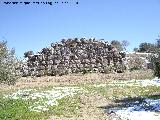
(90, 109)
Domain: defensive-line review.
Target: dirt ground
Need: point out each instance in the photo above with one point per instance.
(90, 105)
(74, 79)
(90, 109)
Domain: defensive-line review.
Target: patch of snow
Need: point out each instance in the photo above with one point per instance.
(23, 94)
(139, 111)
(139, 53)
(136, 115)
(38, 108)
(100, 85)
(155, 82)
(45, 98)
(133, 82)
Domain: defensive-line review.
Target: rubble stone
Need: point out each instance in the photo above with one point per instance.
(74, 56)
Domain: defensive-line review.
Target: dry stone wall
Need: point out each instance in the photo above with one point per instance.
(74, 56)
(137, 60)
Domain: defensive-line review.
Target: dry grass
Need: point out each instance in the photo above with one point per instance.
(74, 79)
(91, 102)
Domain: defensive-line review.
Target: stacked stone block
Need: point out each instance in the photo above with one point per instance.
(74, 56)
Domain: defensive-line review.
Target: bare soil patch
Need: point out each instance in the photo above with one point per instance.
(74, 79)
(90, 109)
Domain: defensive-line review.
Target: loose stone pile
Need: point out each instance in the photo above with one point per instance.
(137, 60)
(74, 56)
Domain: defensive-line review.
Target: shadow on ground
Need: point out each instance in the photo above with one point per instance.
(148, 103)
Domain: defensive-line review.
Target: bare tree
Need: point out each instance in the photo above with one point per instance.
(124, 44)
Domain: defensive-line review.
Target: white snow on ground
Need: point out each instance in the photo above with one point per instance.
(154, 103)
(155, 82)
(143, 83)
(46, 98)
(99, 85)
(133, 82)
(137, 115)
(20, 94)
(142, 111)
(49, 98)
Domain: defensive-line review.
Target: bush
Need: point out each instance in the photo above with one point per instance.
(156, 63)
(157, 69)
(8, 65)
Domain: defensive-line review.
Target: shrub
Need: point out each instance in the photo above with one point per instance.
(157, 69)
(156, 63)
(8, 65)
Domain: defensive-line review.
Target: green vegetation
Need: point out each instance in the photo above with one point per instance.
(146, 47)
(18, 109)
(67, 107)
(116, 91)
(155, 58)
(157, 69)
(11, 109)
(8, 64)
(120, 45)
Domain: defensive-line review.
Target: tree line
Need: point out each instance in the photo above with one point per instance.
(149, 47)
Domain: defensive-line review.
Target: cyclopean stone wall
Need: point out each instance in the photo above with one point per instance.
(138, 60)
(74, 56)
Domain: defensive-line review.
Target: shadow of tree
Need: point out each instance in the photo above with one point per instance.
(137, 103)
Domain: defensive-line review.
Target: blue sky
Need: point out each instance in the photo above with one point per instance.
(33, 27)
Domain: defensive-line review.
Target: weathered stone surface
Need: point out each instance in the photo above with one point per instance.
(137, 60)
(73, 56)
